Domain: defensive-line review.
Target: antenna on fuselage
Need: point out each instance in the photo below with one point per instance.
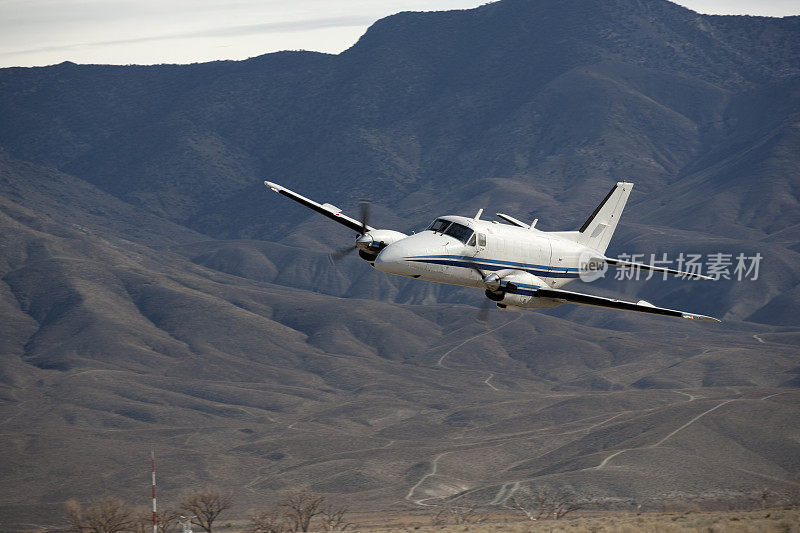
(535, 220)
(512, 220)
(478, 214)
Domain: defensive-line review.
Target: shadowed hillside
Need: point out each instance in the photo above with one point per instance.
(154, 293)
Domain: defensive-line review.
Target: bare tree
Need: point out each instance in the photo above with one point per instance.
(563, 502)
(333, 518)
(109, 515)
(301, 506)
(462, 512)
(270, 521)
(524, 505)
(144, 520)
(545, 503)
(206, 505)
(166, 520)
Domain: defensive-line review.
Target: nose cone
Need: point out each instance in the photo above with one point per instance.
(392, 259)
(364, 241)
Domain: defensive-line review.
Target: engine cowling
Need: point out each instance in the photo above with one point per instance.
(371, 243)
(513, 287)
(516, 291)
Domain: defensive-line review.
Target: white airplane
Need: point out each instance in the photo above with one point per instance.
(517, 265)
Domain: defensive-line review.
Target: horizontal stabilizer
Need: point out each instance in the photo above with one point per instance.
(598, 301)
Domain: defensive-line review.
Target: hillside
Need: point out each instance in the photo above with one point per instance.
(154, 293)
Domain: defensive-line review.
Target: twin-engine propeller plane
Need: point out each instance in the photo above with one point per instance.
(515, 264)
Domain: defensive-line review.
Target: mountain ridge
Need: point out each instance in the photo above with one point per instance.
(153, 292)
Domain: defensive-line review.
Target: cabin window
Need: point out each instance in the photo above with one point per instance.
(462, 233)
(481, 239)
(439, 225)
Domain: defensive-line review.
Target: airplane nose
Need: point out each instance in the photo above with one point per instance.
(391, 259)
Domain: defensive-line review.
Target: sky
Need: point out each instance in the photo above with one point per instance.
(121, 32)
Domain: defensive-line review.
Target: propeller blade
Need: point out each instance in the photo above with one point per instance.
(364, 207)
(483, 312)
(338, 255)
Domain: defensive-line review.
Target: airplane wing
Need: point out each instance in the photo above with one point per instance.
(598, 301)
(328, 210)
(642, 266)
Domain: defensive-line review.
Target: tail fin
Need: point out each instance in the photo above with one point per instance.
(596, 232)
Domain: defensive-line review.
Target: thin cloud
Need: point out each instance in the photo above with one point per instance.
(232, 31)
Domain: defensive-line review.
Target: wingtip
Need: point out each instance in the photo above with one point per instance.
(274, 186)
(702, 318)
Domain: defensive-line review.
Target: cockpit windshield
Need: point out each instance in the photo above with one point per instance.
(453, 229)
(462, 233)
(439, 225)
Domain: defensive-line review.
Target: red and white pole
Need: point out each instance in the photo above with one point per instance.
(153, 470)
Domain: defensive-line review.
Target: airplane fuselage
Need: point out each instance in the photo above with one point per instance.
(467, 251)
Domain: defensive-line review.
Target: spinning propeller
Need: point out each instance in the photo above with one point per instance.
(363, 241)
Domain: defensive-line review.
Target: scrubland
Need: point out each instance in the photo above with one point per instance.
(771, 520)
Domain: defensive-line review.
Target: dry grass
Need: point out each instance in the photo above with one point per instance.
(772, 520)
(762, 521)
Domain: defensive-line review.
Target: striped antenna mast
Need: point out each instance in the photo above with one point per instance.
(153, 471)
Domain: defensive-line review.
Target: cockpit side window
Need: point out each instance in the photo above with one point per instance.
(462, 233)
(439, 225)
(471, 241)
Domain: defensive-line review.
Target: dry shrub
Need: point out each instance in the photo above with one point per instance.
(462, 512)
(109, 515)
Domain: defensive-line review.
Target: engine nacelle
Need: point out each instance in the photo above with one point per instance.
(516, 290)
(371, 243)
(516, 300)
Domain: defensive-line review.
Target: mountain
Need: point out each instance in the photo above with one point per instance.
(155, 294)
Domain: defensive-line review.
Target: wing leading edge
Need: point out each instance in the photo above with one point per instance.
(598, 301)
(328, 210)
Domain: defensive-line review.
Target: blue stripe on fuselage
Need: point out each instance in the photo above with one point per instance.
(488, 264)
(487, 260)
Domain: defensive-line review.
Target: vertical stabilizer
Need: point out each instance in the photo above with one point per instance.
(596, 232)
